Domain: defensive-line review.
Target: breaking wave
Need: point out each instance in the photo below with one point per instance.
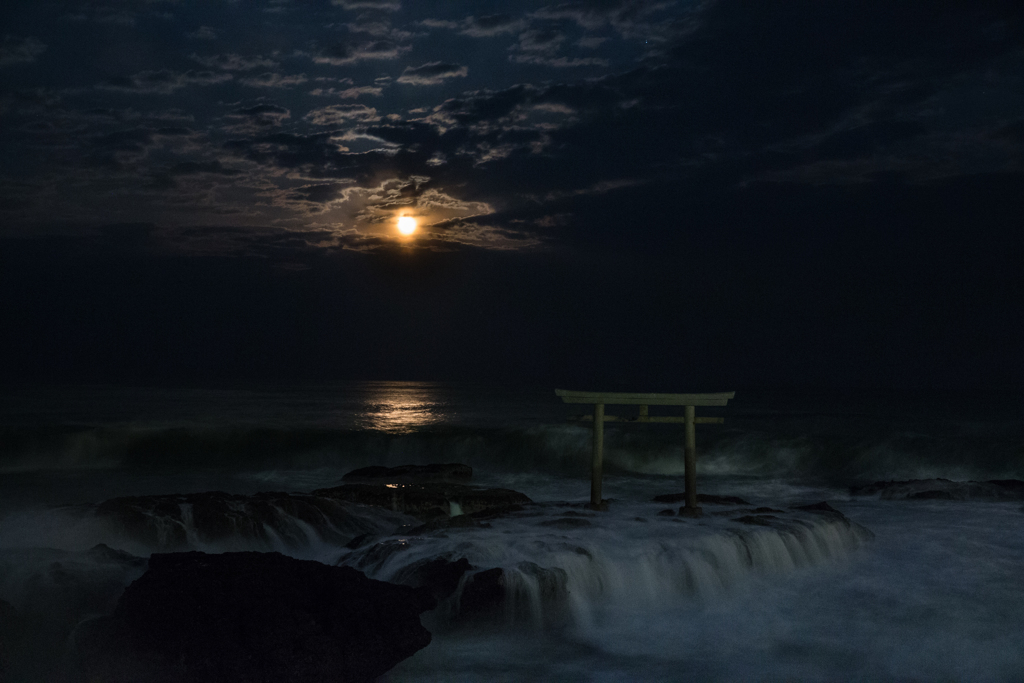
(836, 451)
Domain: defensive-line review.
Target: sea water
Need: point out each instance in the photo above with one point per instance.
(936, 594)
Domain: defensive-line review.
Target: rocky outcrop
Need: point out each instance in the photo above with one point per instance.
(410, 474)
(253, 617)
(797, 518)
(427, 500)
(943, 489)
(178, 521)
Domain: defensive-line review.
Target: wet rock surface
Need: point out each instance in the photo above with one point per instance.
(409, 474)
(705, 498)
(440, 575)
(253, 617)
(566, 523)
(349, 515)
(797, 517)
(756, 520)
(943, 489)
(488, 592)
(427, 500)
(174, 521)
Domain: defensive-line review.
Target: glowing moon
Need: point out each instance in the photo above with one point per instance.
(407, 225)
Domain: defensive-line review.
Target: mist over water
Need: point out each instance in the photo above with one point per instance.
(934, 593)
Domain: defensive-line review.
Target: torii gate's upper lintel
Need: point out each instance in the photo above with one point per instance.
(600, 398)
(630, 399)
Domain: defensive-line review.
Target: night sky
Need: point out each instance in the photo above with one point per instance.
(641, 194)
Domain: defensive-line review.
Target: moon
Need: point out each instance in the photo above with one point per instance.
(406, 225)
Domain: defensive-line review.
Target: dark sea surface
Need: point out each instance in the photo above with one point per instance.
(936, 595)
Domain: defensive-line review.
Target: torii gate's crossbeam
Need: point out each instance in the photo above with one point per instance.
(688, 401)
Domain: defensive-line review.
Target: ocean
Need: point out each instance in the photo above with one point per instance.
(914, 584)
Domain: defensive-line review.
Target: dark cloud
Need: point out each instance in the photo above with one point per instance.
(341, 53)
(234, 62)
(481, 27)
(340, 114)
(319, 194)
(14, 50)
(432, 73)
(382, 5)
(274, 80)
(197, 167)
(491, 25)
(203, 33)
(163, 81)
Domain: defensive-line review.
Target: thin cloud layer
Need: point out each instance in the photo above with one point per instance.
(499, 126)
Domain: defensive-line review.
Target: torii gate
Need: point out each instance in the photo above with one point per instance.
(601, 398)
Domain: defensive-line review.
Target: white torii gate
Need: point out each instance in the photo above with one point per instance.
(600, 399)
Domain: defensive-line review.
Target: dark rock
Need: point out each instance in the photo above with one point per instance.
(410, 474)
(756, 520)
(440, 576)
(551, 581)
(943, 489)
(424, 500)
(483, 591)
(358, 542)
(167, 521)
(817, 507)
(668, 512)
(253, 617)
(1009, 485)
(373, 558)
(931, 495)
(701, 498)
(765, 510)
(486, 591)
(566, 523)
(440, 523)
(495, 512)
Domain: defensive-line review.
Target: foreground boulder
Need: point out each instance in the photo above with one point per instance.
(427, 500)
(410, 474)
(253, 617)
(943, 489)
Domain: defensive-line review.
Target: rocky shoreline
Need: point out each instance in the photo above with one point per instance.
(943, 489)
(264, 616)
